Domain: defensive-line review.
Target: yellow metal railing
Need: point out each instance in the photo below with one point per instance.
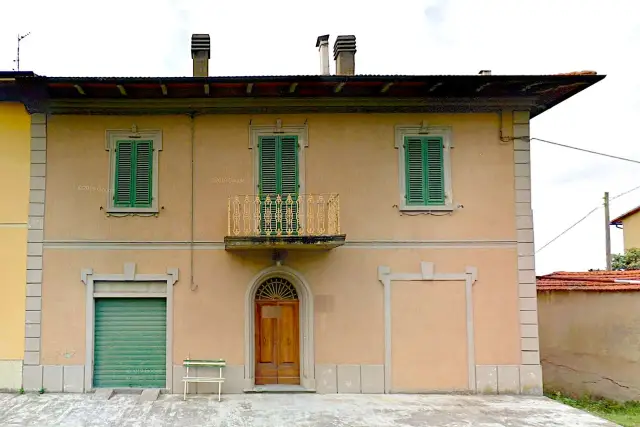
(284, 215)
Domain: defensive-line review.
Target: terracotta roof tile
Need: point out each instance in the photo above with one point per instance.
(578, 73)
(613, 281)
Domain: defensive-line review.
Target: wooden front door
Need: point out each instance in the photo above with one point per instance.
(277, 334)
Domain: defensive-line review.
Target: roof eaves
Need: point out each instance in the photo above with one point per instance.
(562, 287)
(591, 78)
(618, 220)
(15, 74)
(517, 88)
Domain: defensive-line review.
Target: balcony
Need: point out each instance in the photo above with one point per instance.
(292, 221)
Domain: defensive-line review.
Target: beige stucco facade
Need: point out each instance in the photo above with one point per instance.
(223, 167)
(589, 343)
(413, 302)
(14, 188)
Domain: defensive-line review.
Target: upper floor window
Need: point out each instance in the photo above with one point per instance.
(425, 168)
(133, 171)
(278, 165)
(279, 183)
(279, 158)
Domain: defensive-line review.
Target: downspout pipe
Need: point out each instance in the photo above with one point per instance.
(192, 210)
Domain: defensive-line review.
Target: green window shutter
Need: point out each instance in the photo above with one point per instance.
(133, 174)
(124, 169)
(414, 171)
(424, 171)
(435, 194)
(288, 165)
(143, 174)
(268, 149)
(278, 176)
(268, 165)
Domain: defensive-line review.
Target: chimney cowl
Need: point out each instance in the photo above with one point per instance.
(323, 47)
(344, 53)
(322, 40)
(344, 44)
(201, 43)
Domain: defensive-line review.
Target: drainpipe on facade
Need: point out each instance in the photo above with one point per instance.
(191, 213)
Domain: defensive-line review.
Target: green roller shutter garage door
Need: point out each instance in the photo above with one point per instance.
(130, 343)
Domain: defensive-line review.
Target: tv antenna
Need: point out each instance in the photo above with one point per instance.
(17, 60)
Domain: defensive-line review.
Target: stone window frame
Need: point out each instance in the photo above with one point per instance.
(444, 132)
(111, 138)
(300, 131)
(132, 286)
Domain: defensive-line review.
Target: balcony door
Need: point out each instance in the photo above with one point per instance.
(279, 184)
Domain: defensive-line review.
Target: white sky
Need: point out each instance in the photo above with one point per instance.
(145, 38)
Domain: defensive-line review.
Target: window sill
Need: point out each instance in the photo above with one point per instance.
(132, 210)
(443, 208)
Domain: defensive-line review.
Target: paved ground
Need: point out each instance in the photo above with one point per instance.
(290, 410)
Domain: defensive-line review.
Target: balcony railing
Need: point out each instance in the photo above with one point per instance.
(284, 215)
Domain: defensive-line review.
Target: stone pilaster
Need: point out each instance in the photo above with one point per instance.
(530, 369)
(32, 371)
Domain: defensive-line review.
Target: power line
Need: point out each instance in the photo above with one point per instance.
(585, 217)
(597, 207)
(568, 229)
(625, 193)
(585, 150)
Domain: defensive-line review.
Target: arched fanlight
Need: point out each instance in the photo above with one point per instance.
(276, 288)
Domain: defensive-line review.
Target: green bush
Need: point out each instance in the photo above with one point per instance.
(630, 260)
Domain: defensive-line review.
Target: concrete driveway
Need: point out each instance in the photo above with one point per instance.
(290, 410)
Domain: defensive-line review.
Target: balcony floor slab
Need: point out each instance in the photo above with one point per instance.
(318, 243)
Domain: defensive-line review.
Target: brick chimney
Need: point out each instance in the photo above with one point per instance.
(344, 53)
(200, 53)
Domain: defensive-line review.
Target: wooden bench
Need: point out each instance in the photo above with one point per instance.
(195, 363)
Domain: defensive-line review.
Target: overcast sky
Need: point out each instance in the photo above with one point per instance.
(145, 38)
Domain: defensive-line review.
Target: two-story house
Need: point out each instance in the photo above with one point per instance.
(332, 233)
(14, 204)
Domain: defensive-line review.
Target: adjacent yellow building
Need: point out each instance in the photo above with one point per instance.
(14, 205)
(630, 223)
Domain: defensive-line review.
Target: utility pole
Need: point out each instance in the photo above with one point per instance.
(607, 230)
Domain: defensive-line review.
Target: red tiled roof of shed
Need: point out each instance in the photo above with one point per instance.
(600, 281)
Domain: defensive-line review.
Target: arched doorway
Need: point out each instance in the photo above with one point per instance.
(277, 332)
